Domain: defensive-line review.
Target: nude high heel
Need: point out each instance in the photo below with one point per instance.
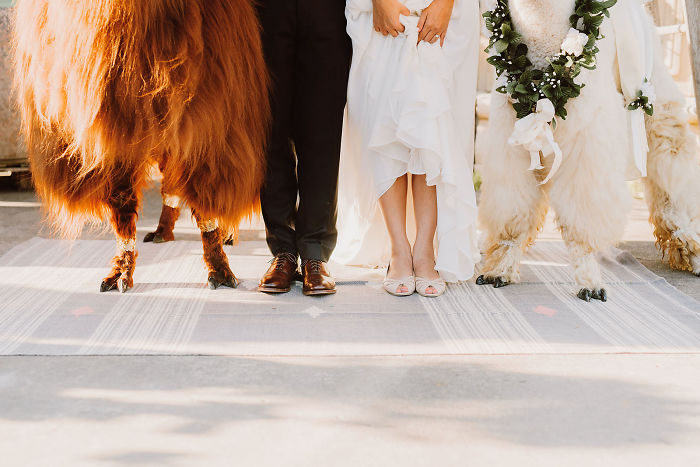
(392, 285)
(422, 285)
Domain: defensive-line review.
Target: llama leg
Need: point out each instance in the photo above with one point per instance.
(170, 211)
(512, 207)
(591, 203)
(507, 243)
(586, 267)
(166, 224)
(123, 210)
(671, 187)
(214, 256)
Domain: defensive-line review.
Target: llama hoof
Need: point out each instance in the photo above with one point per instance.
(163, 238)
(596, 294)
(600, 294)
(216, 280)
(123, 284)
(157, 237)
(497, 282)
(584, 294)
(228, 241)
(483, 280)
(107, 285)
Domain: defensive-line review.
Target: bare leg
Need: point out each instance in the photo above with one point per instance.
(123, 208)
(393, 204)
(425, 211)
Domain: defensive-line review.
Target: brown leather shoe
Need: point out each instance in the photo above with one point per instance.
(317, 279)
(280, 275)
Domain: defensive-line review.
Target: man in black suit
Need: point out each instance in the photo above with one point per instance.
(308, 53)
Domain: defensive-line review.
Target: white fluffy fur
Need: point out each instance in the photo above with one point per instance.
(588, 193)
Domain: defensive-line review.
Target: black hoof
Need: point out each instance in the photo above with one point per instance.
(158, 238)
(600, 294)
(483, 280)
(106, 286)
(228, 241)
(497, 282)
(216, 281)
(231, 283)
(595, 294)
(584, 294)
(149, 237)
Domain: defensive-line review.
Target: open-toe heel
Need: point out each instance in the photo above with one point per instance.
(422, 286)
(393, 286)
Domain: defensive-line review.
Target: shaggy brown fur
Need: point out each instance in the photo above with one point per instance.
(215, 259)
(166, 225)
(107, 88)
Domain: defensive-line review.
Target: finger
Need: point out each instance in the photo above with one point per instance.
(425, 34)
(422, 33)
(400, 27)
(433, 39)
(442, 38)
(422, 20)
(395, 33)
(405, 11)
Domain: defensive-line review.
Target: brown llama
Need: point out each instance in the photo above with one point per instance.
(108, 88)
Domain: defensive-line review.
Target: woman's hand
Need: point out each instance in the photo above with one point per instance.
(386, 16)
(434, 21)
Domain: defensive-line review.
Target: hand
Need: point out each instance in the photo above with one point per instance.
(386, 16)
(434, 21)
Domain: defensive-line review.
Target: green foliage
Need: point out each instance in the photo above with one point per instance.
(642, 102)
(524, 83)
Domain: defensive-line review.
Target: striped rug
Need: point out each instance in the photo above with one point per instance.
(50, 305)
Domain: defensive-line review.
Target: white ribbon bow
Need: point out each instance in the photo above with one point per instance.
(534, 133)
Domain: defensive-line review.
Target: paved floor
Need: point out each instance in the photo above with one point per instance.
(553, 410)
(460, 410)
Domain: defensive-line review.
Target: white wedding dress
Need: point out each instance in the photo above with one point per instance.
(410, 110)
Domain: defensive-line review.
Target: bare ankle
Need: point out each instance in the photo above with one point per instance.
(401, 251)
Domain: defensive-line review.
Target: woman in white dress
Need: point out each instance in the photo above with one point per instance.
(410, 127)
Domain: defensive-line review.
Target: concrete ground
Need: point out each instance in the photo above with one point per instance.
(444, 410)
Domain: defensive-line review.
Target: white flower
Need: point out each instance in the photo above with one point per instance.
(501, 81)
(574, 43)
(488, 5)
(649, 91)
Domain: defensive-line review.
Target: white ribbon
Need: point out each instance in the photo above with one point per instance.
(534, 133)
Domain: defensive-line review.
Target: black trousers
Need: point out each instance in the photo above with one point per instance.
(308, 53)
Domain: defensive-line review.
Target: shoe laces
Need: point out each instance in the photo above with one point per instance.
(278, 260)
(313, 264)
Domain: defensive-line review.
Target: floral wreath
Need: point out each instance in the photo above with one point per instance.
(525, 84)
(538, 96)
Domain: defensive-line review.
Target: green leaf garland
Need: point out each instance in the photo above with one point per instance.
(523, 82)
